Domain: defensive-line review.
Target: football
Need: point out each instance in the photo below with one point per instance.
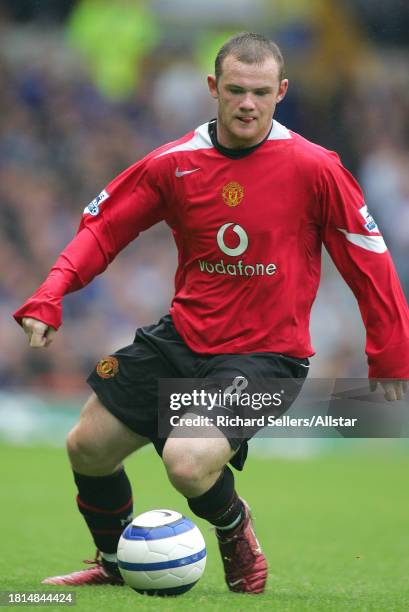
(161, 553)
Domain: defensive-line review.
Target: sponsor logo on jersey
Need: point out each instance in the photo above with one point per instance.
(233, 194)
(237, 269)
(108, 367)
(93, 207)
(240, 268)
(370, 223)
(241, 233)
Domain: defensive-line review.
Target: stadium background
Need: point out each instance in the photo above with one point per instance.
(86, 88)
(89, 86)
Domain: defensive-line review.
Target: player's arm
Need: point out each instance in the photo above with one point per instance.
(129, 205)
(358, 250)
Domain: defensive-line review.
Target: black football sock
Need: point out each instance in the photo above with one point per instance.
(220, 505)
(106, 505)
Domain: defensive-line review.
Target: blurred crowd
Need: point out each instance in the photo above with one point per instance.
(63, 137)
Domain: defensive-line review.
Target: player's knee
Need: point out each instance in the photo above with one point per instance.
(84, 455)
(79, 451)
(185, 466)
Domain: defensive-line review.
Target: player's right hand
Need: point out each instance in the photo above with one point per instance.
(39, 334)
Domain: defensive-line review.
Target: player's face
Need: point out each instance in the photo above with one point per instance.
(247, 95)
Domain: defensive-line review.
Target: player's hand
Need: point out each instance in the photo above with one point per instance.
(40, 335)
(393, 390)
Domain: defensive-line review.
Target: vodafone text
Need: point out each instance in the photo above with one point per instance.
(237, 269)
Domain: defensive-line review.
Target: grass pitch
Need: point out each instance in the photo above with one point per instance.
(335, 530)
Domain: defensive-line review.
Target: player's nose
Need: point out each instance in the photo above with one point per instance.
(247, 102)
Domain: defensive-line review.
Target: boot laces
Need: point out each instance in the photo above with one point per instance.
(96, 561)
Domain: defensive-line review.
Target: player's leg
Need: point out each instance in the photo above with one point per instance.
(96, 447)
(197, 467)
(118, 419)
(244, 563)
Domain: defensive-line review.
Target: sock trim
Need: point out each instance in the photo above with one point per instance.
(218, 514)
(236, 522)
(110, 557)
(101, 510)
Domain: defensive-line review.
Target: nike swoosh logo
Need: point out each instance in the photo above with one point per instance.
(179, 173)
(236, 582)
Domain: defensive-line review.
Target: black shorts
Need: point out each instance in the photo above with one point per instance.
(126, 382)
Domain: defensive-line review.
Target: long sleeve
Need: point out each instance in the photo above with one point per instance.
(358, 250)
(128, 205)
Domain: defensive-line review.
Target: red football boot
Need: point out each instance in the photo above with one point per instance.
(94, 576)
(245, 565)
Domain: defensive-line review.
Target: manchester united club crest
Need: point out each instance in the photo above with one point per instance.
(107, 367)
(233, 194)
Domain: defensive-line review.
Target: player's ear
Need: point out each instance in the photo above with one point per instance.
(282, 90)
(212, 85)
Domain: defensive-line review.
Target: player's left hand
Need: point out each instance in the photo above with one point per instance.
(393, 390)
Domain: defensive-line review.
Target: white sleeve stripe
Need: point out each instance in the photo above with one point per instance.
(376, 244)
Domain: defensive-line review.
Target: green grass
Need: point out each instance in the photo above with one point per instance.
(335, 530)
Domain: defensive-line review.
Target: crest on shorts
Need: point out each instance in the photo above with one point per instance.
(233, 194)
(107, 367)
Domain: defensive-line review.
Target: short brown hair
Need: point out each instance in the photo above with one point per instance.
(249, 48)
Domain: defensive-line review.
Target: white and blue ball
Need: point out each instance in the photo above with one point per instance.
(161, 553)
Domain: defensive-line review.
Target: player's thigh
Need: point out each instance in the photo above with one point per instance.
(100, 434)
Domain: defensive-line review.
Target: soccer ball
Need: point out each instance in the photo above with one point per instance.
(161, 553)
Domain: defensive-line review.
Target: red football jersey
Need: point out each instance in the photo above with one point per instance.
(249, 231)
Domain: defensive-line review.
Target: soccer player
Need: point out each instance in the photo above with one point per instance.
(249, 203)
